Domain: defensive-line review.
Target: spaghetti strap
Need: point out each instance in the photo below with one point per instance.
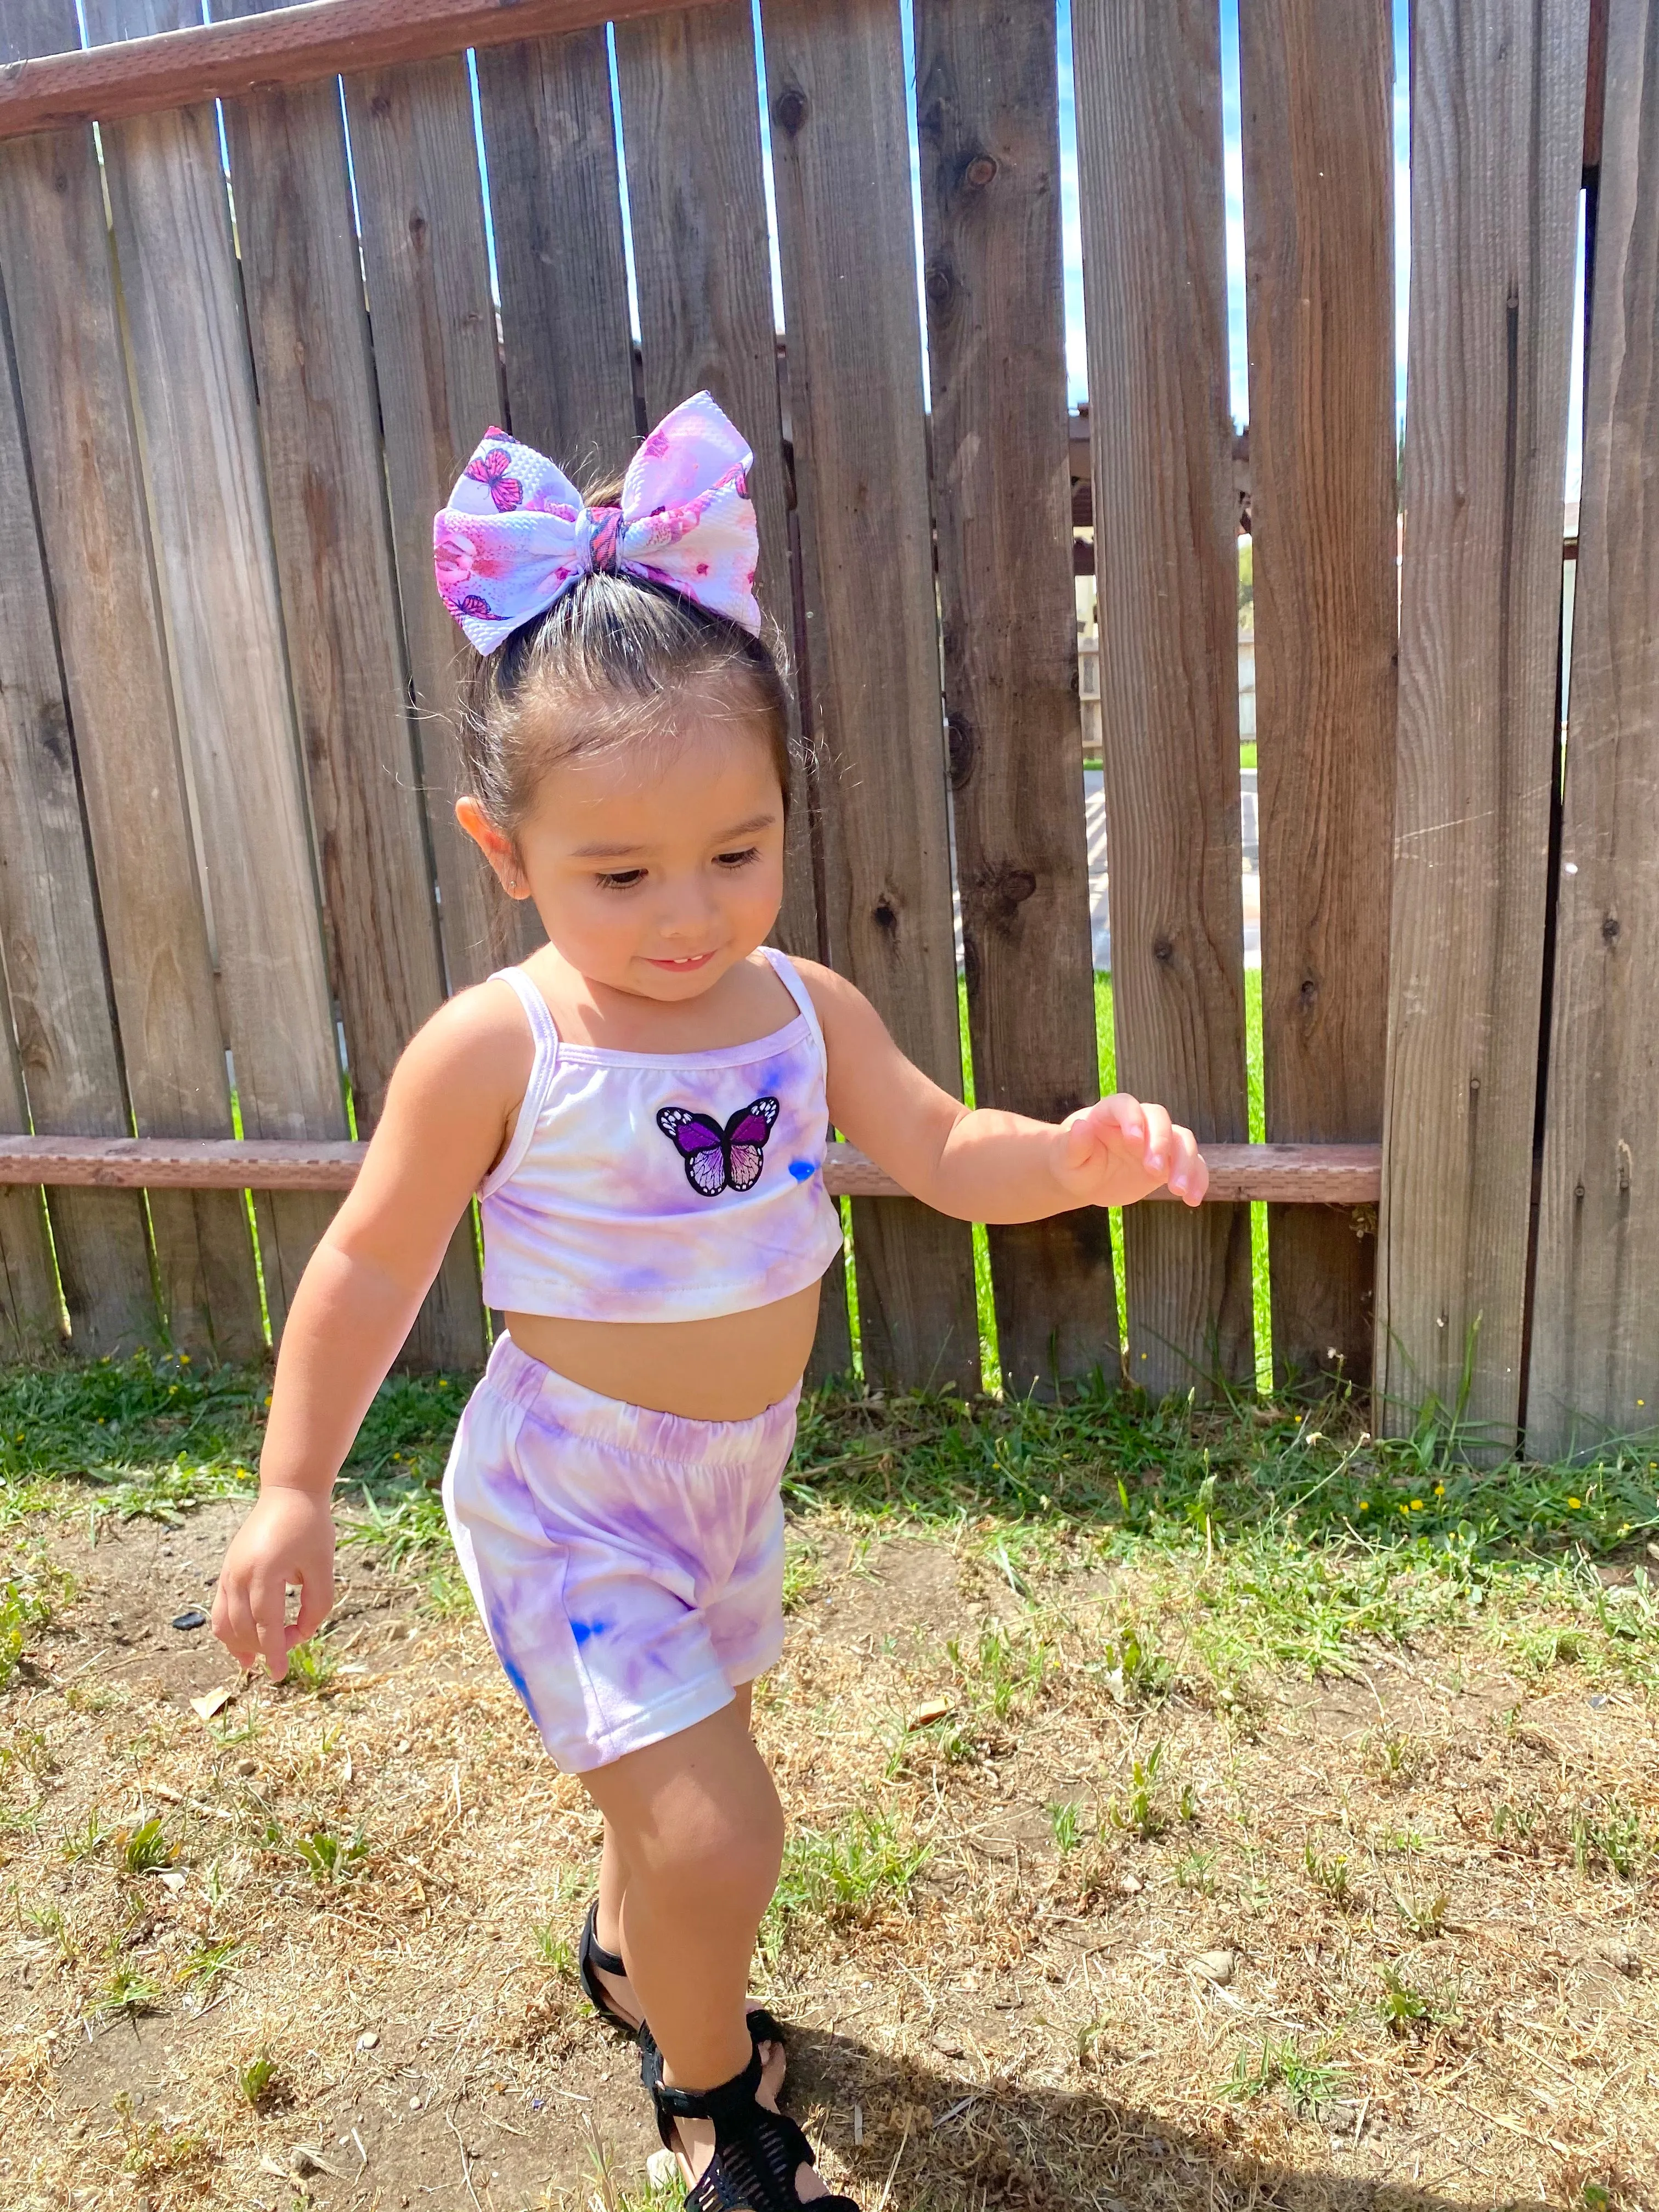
(544, 1032)
(539, 1014)
(790, 976)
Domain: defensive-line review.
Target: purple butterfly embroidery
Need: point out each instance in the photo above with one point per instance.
(714, 1157)
(490, 469)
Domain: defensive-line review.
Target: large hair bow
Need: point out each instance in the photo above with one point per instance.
(516, 534)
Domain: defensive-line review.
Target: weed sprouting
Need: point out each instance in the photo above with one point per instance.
(145, 1849)
(1329, 1872)
(312, 1666)
(27, 1600)
(258, 2081)
(1197, 1871)
(329, 1857)
(1066, 1822)
(1309, 2083)
(1423, 1911)
(554, 1948)
(207, 1962)
(87, 1842)
(130, 1992)
(1404, 2010)
(1612, 1837)
(1140, 1810)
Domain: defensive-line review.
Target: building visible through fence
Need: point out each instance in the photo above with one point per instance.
(242, 371)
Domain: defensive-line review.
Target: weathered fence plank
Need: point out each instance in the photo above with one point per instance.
(1594, 1367)
(550, 141)
(1148, 84)
(1319, 247)
(49, 947)
(72, 377)
(988, 98)
(1497, 135)
(318, 411)
(697, 213)
(417, 172)
(193, 386)
(841, 165)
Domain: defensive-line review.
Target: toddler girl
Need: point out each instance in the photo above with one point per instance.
(642, 1109)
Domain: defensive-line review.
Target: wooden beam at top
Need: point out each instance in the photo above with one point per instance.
(268, 53)
(1310, 1174)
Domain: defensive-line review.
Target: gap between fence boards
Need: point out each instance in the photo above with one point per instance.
(1283, 1174)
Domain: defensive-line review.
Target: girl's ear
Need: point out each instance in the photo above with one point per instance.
(496, 848)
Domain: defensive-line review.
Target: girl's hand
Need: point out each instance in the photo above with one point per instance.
(287, 1539)
(1113, 1153)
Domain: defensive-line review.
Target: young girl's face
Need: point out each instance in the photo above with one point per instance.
(654, 868)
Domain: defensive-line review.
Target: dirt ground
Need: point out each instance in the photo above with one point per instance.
(1055, 1931)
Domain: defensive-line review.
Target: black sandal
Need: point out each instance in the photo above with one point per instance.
(593, 1961)
(756, 2152)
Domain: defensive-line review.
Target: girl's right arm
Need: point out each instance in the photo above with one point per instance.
(445, 1118)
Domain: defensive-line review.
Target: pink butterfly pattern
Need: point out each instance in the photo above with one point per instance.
(490, 467)
(716, 1158)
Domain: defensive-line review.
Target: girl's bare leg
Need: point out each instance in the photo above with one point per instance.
(613, 1882)
(699, 1832)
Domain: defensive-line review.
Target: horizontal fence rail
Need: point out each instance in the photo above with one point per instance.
(1279, 1175)
(274, 53)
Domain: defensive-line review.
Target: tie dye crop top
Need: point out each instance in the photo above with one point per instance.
(644, 1189)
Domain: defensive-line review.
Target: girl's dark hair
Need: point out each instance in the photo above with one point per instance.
(610, 663)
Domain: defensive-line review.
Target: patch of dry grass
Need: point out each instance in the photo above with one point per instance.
(1147, 1852)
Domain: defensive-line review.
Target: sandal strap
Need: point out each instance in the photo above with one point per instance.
(764, 2026)
(729, 2104)
(593, 1960)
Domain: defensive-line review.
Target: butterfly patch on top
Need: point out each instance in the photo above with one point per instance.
(716, 1159)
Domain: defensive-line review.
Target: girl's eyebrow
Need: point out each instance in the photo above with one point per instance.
(724, 837)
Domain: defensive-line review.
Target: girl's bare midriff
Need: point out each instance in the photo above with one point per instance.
(728, 1368)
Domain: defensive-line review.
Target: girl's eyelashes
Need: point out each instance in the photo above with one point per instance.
(737, 860)
(620, 879)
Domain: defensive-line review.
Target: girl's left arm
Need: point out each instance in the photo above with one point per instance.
(984, 1164)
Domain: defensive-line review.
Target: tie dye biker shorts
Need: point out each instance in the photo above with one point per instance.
(628, 1565)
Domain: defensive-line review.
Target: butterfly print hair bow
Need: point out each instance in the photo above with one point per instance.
(516, 535)
(717, 1160)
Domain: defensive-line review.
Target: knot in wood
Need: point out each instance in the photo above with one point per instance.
(980, 171)
(1004, 889)
(941, 284)
(417, 226)
(380, 105)
(1610, 930)
(885, 915)
(789, 110)
(1163, 949)
(960, 748)
(1308, 994)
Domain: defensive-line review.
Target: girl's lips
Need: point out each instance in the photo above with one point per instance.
(684, 967)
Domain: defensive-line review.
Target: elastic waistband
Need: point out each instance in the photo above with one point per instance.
(514, 1375)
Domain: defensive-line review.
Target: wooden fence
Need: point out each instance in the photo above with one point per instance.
(240, 377)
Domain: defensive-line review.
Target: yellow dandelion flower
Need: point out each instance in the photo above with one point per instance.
(1575, 1503)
